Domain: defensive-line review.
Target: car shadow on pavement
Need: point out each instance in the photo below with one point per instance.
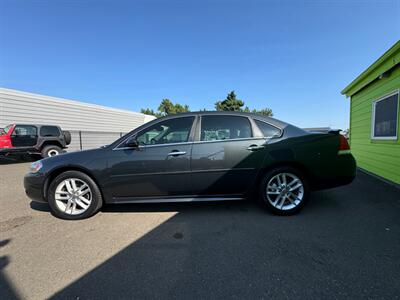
(318, 201)
(242, 205)
(8, 160)
(40, 206)
(340, 245)
(7, 291)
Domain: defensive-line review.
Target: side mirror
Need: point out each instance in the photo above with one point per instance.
(132, 143)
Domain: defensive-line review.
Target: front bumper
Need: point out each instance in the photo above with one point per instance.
(34, 186)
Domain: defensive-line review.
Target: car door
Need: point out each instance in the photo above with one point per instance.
(24, 136)
(226, 156)
(159, 167)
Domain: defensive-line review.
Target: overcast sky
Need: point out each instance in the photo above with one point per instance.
(292, 56)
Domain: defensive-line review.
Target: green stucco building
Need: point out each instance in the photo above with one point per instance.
(375, 116)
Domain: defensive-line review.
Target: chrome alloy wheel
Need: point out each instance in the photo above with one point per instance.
(285, 191)
(73, 196)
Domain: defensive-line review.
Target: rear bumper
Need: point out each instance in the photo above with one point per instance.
(34, 187)
(342, 172)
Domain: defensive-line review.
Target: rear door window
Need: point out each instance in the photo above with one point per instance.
(49, 131)
(220, 127)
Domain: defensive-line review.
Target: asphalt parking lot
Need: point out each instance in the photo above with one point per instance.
(344, 244)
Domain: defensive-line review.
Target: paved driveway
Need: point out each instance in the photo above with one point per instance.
(344, 244)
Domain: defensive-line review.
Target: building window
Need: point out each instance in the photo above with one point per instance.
(385, 117)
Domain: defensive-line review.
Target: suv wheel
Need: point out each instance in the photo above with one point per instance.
(74, 195)
(51, 150)
(284, 190)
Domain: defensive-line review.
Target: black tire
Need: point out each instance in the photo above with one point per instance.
(288, 209)
(96, 200)
(51, 150)
(67, 137)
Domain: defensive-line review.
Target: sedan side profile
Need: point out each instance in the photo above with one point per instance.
(200, 156)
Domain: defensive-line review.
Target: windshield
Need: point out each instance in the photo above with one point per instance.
(3, 131)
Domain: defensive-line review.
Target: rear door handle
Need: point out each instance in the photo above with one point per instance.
(176, 153)
(255, 147)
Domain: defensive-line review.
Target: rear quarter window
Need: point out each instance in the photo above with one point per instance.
(267, 129)
(49, 131)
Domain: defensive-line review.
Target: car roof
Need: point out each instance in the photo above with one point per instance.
(233, 113)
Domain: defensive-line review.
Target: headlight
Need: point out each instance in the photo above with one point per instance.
(35, 166)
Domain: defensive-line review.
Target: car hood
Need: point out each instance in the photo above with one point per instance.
(76, 157)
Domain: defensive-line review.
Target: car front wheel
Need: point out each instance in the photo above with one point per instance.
(284, 190)
(73, 195)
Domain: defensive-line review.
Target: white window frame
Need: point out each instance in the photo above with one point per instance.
(373, 137)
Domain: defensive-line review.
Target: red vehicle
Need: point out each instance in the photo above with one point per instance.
(46, 140)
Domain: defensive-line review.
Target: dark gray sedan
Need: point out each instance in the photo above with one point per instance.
(202, 156)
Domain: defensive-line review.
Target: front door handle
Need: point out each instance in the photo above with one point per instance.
(176, 153)
(255, 147)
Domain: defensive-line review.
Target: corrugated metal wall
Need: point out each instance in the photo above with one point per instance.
(89, 139)
(98, 125)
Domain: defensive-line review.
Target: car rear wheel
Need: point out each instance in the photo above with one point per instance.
(51, 150)
(73, 195)
(284, 190)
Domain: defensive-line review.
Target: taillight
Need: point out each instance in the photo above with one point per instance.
(343, 144)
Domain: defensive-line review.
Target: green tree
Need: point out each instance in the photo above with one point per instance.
(165, 108)
(264, 112)
(231, 103)
(246, 109)
(148, 111)
(178, 108)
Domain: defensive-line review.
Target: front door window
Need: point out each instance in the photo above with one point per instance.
(170, 131)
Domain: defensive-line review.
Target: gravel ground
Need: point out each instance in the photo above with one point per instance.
(344, 244)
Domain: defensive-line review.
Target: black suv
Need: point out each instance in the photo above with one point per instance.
(46, 140)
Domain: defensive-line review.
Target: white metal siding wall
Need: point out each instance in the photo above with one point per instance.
(91, 139)
(75, 143)
(99, 125)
